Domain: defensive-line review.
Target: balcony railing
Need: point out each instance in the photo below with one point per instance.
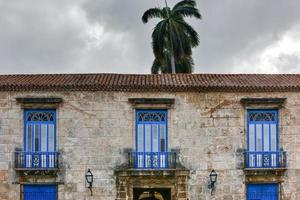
(272, 159)
(152, 160)
(36, 160)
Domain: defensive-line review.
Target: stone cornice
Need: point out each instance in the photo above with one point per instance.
(152, 103)
(39, 102)
(168, 101)
(266, 101)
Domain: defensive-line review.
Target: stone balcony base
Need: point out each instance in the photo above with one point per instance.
(264, 175)
(264, 171)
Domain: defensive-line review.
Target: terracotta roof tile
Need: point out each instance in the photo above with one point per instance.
(147, 83)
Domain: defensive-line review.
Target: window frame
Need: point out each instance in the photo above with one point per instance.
(270, 139)
(159, 136)
(145, 158)
(40, 123)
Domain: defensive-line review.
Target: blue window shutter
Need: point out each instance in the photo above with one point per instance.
(151, 138)
(40, 138)
(262, 137)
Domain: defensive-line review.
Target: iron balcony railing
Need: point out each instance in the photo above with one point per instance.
(36, 160)
(152, 160)
(272, 159)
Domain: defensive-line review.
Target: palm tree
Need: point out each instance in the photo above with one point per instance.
(173, 38)
(184, 65)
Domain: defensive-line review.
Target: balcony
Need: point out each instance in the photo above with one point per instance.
(152, 160)
(272, 161)
(36, 161)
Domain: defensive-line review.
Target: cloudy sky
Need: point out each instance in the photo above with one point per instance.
(75, 36)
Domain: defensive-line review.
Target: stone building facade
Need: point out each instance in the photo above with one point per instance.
(208, 127)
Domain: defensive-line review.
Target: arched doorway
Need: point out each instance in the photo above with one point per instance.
(152, 194)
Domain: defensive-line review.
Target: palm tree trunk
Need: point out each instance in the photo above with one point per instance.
(171, 47)
(172, 54)
(173, 63)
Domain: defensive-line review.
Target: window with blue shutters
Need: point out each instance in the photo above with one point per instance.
(262, 139)
(40, 138)
(151, 139)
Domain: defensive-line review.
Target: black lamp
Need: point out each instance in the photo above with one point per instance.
(213, 179)
(89, 177)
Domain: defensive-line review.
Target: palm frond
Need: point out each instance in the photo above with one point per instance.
(191, 33)
(187, 11)
(191, 3)
(159, 38)
(152, 13)
(156, 67)
(180, 41)
(161, 66)
(166, 11)
(185, 65)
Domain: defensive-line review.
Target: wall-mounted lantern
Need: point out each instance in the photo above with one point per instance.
(89, 177)
(213, 179)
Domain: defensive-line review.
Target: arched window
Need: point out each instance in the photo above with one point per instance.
(40, 138)
(151, 138)
(40, 130)
(262, 138)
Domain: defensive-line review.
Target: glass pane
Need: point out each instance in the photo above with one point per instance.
(140, 138)
(163, 137)
(51, 138)
(40, 116)
(29, 138)
(147, 138)
(36, 137)
(266, 138)
(151, 116)
(251, 138)
(258, 137)
(273, 137)
(155, 138)
(44, 137)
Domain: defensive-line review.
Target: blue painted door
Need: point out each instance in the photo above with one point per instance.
(262, 192)
(40, 192)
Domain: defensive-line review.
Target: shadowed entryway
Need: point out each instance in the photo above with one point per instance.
(151, 194)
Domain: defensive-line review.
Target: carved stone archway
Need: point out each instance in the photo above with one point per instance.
(176, 181)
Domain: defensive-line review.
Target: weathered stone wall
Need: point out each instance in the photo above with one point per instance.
(94, 129)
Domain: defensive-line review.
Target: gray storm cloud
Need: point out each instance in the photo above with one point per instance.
(38, 36)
